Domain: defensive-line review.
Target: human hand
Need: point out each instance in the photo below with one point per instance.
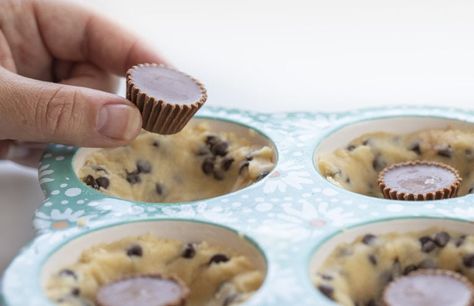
(57, 63)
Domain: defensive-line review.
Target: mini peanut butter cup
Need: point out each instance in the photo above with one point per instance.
(419, 180)
(143, 290)
(430, 287)
(166, 98)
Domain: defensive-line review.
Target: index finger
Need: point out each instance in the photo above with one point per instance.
(73, 33)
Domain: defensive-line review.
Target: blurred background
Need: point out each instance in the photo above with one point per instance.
(298, 55)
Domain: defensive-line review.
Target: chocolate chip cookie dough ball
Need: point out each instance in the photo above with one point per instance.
(214, 275)
(356, 273)
(197, 163)
(356, 167)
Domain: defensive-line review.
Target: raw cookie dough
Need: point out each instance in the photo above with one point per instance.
(357, 166)
(215, 276)
(191, 165)
(355, 274)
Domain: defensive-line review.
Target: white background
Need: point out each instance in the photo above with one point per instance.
(293, 55)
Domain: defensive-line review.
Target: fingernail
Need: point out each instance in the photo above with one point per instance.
(119, 121)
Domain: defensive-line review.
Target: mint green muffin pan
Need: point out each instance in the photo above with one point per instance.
(287, 223)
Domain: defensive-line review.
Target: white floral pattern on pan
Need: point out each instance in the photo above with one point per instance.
(287, 213)
(59, 220)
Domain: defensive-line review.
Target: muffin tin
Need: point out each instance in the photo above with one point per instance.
(287, 222)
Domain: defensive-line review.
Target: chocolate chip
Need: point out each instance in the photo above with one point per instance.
(68, 273)
(427, 244)
(218, 175)
(243, 166)
(371, 303)
(189, 251)
(159, 188)
(468, 152)
(208, 166)
(372, 259)
(133, 177)
(351, 147)
(468, 260)
(156, 144)
(230, 299)
(143, 166)
(441, 239)
(218, 258)
(90, 181)
(445, 151)
(410, 268)
(365, 142)
(415, 147)
(135, 250)
(220, 148)
(211, 140)
(378, 163)
(248, 157)
(226, 163)
(76, 291)
(368, 239)
(103, 182)
(328, 291)
(471, 190)
(460, 241)
(348, 180)
(326, 277)
(262, 175)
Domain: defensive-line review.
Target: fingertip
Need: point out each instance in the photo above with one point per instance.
(119, 122)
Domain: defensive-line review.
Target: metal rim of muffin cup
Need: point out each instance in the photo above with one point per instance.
(397, 224)
(340, 136)
(68, 250)
(230, 125)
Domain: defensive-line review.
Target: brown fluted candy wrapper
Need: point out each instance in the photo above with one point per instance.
(166, 98)
(419, 181)
(143, 290)
(432, 287)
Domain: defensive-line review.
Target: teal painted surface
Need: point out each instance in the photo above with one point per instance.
(287, 214)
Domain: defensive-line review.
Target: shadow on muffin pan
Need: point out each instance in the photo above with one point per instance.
(352, 155)
(177, 174)
(236, 252)
(353, 265)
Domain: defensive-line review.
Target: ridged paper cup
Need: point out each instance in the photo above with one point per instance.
(419, 181)
(166, 98)
(429, 287)
(142, 290)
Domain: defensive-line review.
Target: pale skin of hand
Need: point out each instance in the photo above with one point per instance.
(58, 64)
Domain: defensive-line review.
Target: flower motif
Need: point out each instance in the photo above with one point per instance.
(304, 222)
(117, 208)
(58, 220)
(202, 209)
(289, 174)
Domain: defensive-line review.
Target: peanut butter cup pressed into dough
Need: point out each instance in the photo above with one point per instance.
(166, 98)
(430, 287)
(419, 180)
(143, 290)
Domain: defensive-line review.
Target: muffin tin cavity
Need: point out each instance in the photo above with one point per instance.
(353, 267)
(220, 155)
(295, 214)
(351, 157)
(218, 265)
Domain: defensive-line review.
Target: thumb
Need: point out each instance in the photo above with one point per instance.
(38, 111)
